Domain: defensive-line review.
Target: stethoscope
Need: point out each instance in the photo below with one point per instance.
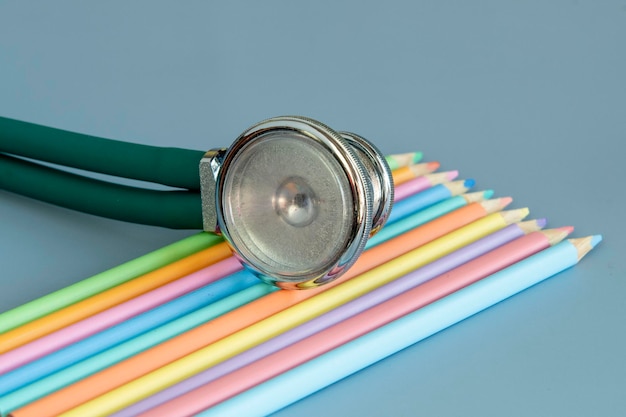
(294, 199)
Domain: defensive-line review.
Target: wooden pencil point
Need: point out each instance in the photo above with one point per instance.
(441, 177)
(530, 226)
(584, 245)
(456, 187)
(496, 204)
(557, 235)
(474, 197)
(514, 216)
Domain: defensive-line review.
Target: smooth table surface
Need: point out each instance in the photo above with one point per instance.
(528, 98)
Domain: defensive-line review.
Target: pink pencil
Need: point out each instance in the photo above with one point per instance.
(115, 315)
(283, 360)
(422, 183)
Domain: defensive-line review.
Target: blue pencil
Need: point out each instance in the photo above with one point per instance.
(124, 331)
(428, 197)
(333, 366)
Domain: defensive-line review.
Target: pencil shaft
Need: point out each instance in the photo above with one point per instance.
(132, 327)
(222, 388)
(103, 360)
(103, 281)
(412, 328)
(109, 298)
(417, 202)
(159, 377)
(414, 220)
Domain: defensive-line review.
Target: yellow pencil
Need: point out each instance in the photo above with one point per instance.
(272, 326)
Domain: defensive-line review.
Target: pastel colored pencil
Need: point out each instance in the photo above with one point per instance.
(426, 198)
(421, 217)
(188, 298)
(111, 297)
(249, 314)
(409, 172)
(349, 358)
(67, 376)
(230, 334)
(396, 161)
(438, 267)
(114, 316)
(397, 304)
(105, 280)
(416, 185)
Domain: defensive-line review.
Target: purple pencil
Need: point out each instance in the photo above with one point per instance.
(339, 314)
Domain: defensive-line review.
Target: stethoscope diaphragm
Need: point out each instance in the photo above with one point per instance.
(296, 200)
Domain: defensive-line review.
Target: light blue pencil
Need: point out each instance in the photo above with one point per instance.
(428, 197)
(333, 366)
(124, 331)
(80, 370)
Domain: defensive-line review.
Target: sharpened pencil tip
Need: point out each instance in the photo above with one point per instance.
(505, 201)
(566, 229)
(433, 166)
(487, 194)
(469, 183)
(417, 156)
(542, 222)
(595, 239)
(452, 175)
(514, 216)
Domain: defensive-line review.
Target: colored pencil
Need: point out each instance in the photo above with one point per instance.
(416, 185)
(400, 160)
(189, 297)
(130, 348)
(438, 267)
(116, 315)
(421, 217)
(347, 359)
(409, 172)
(280, 300)
(111, 297)
(210, 346)
(399, 303)
(105, 280)
(423, 199)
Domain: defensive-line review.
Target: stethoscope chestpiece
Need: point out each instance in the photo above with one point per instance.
(296, 200)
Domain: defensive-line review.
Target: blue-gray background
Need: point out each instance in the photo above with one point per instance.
(528, 97)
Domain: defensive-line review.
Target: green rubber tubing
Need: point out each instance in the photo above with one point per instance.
(179, 209)
(174, 167)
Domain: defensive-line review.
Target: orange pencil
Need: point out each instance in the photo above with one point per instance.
(225, 325)
(114, 296)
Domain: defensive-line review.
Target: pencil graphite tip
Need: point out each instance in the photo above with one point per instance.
(595, 239)
(452, 175)
(456, 187)
(505, 201)
(469, 183)
(583, 245)
(542, 222)
(417, 156)
(433, 166)
(487, 194)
